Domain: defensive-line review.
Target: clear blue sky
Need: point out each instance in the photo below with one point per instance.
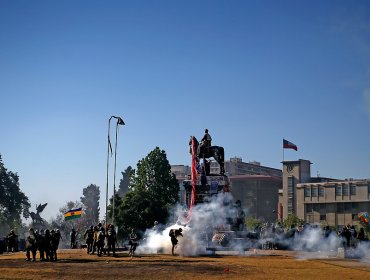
(252, 72)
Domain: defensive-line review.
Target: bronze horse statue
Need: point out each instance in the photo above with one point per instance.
(216, 152)
(36, 218)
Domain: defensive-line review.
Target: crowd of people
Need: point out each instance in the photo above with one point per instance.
(274, 236)
(95, 237)
(44, 241)
(103, 239)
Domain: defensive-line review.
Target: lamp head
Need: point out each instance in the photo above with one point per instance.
(119, 120)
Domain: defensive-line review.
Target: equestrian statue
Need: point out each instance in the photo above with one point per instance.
(205, 150)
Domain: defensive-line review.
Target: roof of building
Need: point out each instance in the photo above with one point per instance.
(255, 177)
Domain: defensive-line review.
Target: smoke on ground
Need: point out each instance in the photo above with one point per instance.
(219, 212)
(216, 213)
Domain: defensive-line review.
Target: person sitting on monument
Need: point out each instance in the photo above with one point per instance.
(206, 141)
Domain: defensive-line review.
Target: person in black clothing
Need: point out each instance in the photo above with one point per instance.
(174, 233)
(11, 239)
(53, 243)
(73, 238)
(89, 238)
(58, 237)
(111, 239)
(133, 242)
(41, 244)
(47, 248)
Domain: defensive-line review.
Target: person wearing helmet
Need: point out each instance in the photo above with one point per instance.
(31, 245)
(58, 237)
(89, 238)
(111, 240)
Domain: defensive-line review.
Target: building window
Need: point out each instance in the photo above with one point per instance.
(347, 207)
(314, 191)
(316, 207)
(340, 208)
(309, 208)
(321, 191)
(368, 189)
(338, 190)
(353, 190)
(345, 190)
(323, 217)
(355, 207)
(322, 207)
(307, 191)
(290, 194)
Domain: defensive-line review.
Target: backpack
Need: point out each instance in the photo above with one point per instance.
(172, 233)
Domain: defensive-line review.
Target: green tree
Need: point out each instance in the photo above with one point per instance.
(13, 202)
(154, 191)
(292, 220)
(252, 223)
(90, 200)
(126, 181)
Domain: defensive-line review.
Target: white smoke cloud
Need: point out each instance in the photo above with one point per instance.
(197, 234)
(215, 216)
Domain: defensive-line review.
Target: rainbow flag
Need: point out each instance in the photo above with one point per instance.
(73, 214)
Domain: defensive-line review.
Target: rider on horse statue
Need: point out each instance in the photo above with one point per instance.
(206, 141)
(205, 150)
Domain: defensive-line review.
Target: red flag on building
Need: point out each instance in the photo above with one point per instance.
(289, 145)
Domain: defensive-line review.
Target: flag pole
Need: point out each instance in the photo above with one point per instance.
(283, 149)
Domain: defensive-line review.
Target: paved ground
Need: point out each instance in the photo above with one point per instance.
(76, 264)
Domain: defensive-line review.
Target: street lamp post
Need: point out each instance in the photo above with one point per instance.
(119, 122)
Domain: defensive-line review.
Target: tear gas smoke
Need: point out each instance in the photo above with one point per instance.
(219, 212)
(216, 213)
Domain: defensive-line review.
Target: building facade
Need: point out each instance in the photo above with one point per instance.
(182, 172)
(336, 203)
(326, 201)
(256, 186)
(236, 166)
(294, 172)
(258, 195)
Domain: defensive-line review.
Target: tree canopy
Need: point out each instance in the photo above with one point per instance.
(90, 200)
(292, 220)
(13, 202)
(153, 192)
(126, 181)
